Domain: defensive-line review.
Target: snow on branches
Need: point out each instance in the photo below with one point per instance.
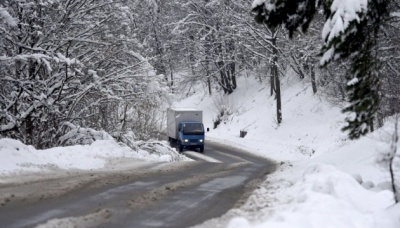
(351, 30)
(70, 61)
(7, 18)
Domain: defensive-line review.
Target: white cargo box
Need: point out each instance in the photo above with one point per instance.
(177, 115)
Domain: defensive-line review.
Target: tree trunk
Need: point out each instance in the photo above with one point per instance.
(123, 124)
(208, 74)
(29, 131)
(224, 81)
(278, 97)
(313, 82)
(209, 84)
(341, 89)
(275, 75)
(233, 74)
(160, 52)
(393, 148)
(272, 83)
(172, 79)
(171, 84)
(231, 66)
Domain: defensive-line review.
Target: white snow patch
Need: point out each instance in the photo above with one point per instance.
(327, 197)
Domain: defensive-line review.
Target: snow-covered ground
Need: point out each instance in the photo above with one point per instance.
(17, 158)
(323, 179)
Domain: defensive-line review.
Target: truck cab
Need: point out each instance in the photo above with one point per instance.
(191, 135)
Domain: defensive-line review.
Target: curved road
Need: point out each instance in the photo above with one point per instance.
(173, 198)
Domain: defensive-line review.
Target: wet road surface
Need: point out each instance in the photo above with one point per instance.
(177, 198)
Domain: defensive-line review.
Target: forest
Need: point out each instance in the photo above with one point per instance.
(92, 66)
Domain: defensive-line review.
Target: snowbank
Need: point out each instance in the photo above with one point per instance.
(326, 197)
(17, 157)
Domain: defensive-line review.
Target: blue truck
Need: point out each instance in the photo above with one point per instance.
(185, 128)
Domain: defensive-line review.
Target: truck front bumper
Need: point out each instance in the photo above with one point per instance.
(193, 142)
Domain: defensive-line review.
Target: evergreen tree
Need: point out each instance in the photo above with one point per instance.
(350, 31)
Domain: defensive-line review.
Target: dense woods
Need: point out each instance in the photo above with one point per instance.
(110, 65)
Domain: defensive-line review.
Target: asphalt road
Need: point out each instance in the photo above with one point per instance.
(173, 198)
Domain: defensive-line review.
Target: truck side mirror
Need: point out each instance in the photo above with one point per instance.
(208, 129)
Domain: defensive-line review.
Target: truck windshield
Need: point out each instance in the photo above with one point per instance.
(193, 129)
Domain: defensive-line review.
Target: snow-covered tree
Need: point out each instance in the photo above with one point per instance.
(389, 54)
(69, 61)
(350, 31)
(210, 43)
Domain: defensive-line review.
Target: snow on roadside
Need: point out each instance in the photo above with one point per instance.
(18, 157)
(322, 197)
(92, 220)
(323, 180)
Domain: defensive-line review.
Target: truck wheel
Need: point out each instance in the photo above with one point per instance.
(201, 149)
(180, 147)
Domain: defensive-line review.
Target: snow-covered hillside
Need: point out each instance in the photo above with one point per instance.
(323, 179)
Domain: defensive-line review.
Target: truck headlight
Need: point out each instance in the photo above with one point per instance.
(186, 140)
(200, 140)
